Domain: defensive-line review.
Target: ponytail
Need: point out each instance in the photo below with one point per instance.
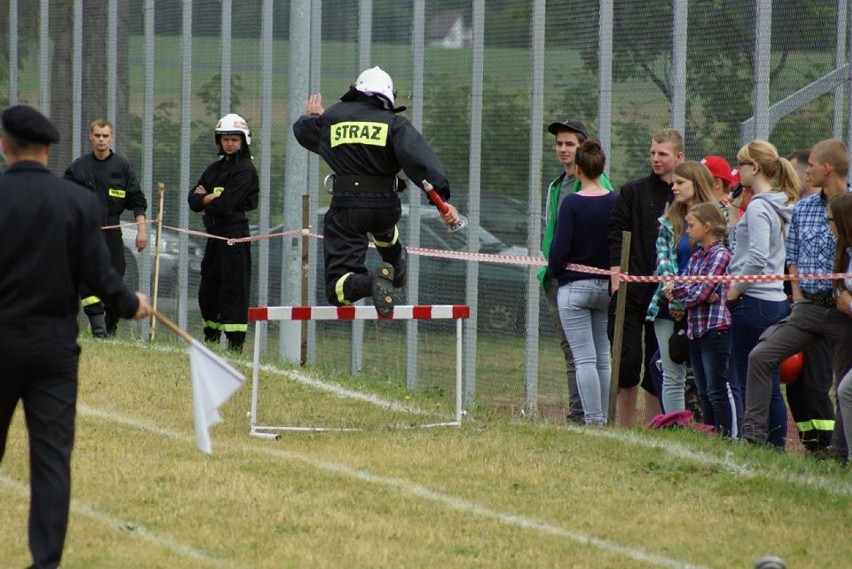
(788, 180)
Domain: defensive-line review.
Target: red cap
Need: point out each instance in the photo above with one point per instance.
(719, 167)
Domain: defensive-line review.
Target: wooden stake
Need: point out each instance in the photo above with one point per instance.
(618, 334)
(161, 188)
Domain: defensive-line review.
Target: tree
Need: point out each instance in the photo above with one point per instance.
(94, 80)
(720, 57)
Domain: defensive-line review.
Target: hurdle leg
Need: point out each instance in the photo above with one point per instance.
(459, 351)
(255, 381)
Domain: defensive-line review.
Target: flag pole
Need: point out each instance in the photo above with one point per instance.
(172, 326)
(161, 188)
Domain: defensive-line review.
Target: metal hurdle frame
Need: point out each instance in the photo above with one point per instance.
(262, 315)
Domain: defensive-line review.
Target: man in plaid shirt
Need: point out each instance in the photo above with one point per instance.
(810, 247)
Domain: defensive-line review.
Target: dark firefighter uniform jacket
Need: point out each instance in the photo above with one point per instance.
(113, 182)
(235, 178)
(52, 242)
(359, 136)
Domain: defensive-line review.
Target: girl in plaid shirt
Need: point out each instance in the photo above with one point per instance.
(708, 318)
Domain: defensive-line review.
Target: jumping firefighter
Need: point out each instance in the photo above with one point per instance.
(366, 143)
(227, 189)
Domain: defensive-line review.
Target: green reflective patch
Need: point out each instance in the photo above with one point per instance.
(385, 243)
(357, 132)
(218, 190)
(114, 193)
(338, 289)
(89, 300)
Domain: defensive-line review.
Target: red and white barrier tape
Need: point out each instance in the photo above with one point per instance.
(405, 312)
(519, 260)
(624, 277)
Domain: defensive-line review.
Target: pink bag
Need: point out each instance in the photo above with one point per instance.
(679, 419)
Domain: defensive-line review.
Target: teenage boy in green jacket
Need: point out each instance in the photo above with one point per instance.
(570, 134)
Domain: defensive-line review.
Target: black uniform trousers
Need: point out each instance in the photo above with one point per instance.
(345, 243)
(41, 371)
(809, 399)
(637, 348)
(223, 295)
(115, 244)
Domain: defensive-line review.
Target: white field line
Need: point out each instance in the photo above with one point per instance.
(726, 463)
(122, 526)
(300, 377)
(413, 489)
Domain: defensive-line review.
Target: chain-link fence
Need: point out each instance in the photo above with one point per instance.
(481, 82)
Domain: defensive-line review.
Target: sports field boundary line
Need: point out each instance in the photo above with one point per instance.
(125, 527)
(411, 488)
(624, 436)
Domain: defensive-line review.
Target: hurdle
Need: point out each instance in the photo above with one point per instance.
(262, 315)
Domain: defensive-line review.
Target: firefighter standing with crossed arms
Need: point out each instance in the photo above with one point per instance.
(227, 189)
(366, 142)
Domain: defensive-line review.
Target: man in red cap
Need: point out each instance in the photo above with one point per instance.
(723, 176)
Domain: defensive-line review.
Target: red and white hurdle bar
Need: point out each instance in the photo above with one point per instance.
(262, 315)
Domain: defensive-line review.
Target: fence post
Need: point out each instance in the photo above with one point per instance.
(618, 335)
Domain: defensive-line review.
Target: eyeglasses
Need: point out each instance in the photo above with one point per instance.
(741, 164)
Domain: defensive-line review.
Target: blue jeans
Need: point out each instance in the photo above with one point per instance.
(749, 318)
(709, 355)
(674, 375)
(583, 309)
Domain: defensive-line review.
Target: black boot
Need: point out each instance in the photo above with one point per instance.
(400, 268)
(98, 323)
(384, 296)
(212, 335)
(236, 341)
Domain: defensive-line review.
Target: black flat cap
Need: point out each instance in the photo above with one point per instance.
(568, 124)
(25, 123)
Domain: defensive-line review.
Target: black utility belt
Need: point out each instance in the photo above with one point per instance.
(371, 184)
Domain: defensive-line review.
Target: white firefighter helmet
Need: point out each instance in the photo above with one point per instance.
(233, 123)
(375, 81)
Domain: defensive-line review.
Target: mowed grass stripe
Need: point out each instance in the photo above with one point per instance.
(122, 526)
(247, 506)
(731, 458)
(407, 487)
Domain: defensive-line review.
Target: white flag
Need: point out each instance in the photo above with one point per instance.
(213, 382)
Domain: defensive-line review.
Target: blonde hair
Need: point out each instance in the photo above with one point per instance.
(702, 184)
(776, 169)
(710, 214)
(671, 136)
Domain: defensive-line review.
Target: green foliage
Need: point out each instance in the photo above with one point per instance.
(505, 131)
(720, 57)
(211, 94)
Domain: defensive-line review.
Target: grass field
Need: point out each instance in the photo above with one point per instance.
(498, 492)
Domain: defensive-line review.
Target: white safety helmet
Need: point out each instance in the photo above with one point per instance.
(375, 81)
(233, 123)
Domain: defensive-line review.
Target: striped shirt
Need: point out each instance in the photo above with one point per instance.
(702, 315)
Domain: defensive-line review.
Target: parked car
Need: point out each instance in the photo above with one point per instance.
(169, 259)
(502, 288)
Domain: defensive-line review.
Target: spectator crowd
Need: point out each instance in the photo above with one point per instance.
(723, 349)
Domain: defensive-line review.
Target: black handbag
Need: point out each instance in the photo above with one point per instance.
(679, 343)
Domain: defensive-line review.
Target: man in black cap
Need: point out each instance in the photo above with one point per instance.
(570, 134)
(52, 243)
